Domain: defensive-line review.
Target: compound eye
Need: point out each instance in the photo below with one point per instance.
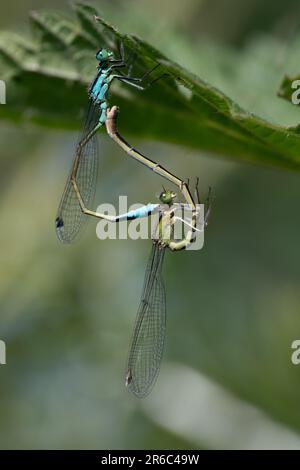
(99, 54)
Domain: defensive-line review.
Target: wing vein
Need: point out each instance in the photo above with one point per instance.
(150, 329)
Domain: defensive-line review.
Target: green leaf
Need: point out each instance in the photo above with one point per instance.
(47, 77)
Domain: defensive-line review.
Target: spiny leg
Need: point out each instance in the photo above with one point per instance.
(145, 211)
(136, 82)
(131, 62)
(197, 195)
(79, 150)
(85, 140)
(208, 204)
(80, 147)
(130, 59)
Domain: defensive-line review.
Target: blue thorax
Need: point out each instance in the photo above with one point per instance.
(99, 88)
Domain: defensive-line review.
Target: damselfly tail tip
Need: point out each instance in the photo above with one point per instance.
(128, 378)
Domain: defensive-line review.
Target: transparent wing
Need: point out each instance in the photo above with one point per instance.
(70, 219)
(150, 328)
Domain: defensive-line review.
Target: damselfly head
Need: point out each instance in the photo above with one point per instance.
(167, 196)
(103, 55)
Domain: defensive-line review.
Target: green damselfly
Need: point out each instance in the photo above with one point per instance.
(148, 339)
(149, 332)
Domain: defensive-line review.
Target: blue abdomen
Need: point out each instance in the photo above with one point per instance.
(143, 211)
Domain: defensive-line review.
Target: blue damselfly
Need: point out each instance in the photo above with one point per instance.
(83, 175)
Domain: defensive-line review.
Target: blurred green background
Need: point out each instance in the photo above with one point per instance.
(67, 312)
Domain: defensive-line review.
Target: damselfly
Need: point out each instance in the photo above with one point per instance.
(70, 217)
(148, 339)
(149, 332)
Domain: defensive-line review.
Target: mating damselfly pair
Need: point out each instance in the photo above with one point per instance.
(149, 332)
